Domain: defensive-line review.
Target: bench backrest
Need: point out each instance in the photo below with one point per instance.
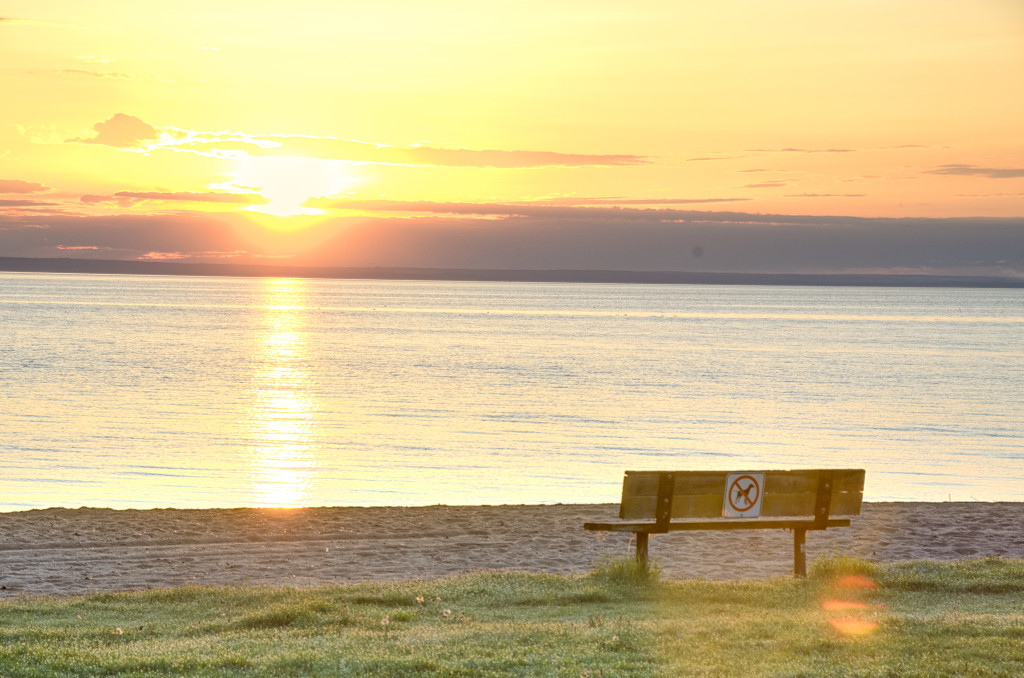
(817, 493)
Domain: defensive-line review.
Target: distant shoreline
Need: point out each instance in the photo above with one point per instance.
(119, 267)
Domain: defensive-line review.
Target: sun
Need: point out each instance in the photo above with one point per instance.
(287, 183)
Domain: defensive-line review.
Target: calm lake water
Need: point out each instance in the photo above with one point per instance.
(141, 392)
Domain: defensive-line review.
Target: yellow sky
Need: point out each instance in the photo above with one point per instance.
(862, 108)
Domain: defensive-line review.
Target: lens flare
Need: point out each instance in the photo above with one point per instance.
(852, 626)
(831, 605)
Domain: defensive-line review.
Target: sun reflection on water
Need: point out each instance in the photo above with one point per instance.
(283, 450)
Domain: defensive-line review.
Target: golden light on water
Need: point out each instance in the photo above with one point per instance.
(283, 453)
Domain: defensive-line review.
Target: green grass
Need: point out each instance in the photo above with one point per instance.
(849, 618)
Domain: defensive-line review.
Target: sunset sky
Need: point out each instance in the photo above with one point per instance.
(732, 136)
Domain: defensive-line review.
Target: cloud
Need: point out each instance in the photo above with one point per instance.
(989, 195)
(532, 209)
(633, 201)
(95, 74)
(171, 256)
(92, 58)
(538, 238)
(128, 132)
(826, 195)
(15, 21)
(802, 150)
(620, 215)
(975, 171)
(163, 256)
(18, 186)
(768, 184)
(131, 197)
(232, 148)
(26, 203)
(762, 170)
(121, 131)
(571, 208)
(460, 157)
(360, 151)
(118, 236)
(115, 76)
(549, 237)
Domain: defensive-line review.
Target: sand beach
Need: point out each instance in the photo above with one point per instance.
(70, 551)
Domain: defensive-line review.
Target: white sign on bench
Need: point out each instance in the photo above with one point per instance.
(743, 495)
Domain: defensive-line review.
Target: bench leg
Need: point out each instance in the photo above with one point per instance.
(641, 549)
(799, 553)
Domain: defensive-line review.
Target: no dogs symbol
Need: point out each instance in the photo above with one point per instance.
(743, 495)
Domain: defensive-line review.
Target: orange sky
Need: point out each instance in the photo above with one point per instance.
(244, 131)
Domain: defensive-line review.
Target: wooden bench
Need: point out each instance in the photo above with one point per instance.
(656, 502)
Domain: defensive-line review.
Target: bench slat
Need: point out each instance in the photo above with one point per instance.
(709, 482)
(720, 524)
(699, 494)
(710, 506)
(696, 482)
